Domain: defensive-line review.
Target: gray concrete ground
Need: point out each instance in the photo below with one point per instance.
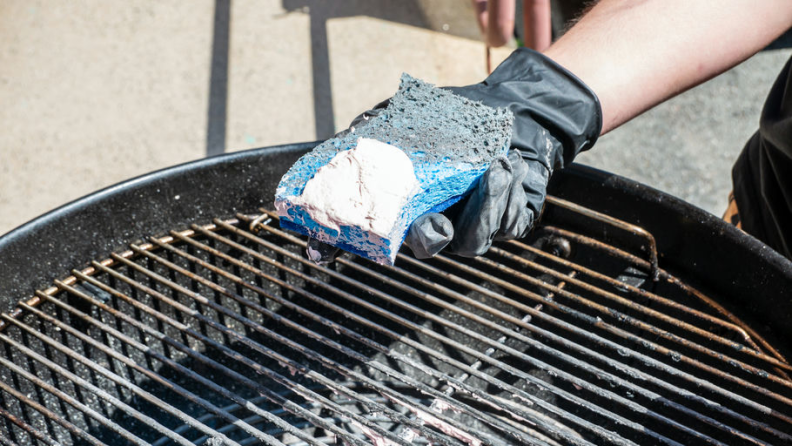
(95, 92)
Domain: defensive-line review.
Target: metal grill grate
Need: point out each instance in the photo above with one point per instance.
(225, 334)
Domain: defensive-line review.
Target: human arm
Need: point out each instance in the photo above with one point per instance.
(636, 54)
(631, 55)
(496, 20)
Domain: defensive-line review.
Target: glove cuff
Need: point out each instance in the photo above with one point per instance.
(594, 126)
(556, 114)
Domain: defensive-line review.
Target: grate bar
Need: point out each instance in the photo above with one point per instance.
(625, 335)
(614, 252)
(324, 321)
(252, 344)
(628, 336)
(192, 375)
(605, 360)
(450, 390)
(631, 228)
(271, 396)
(316, 356)
(529, 341)
(621, 350)
(72, 401)
(300, 425)
(576, 363)
(738, 330)
(440, 356)
(649, 312)
(6, 442)
(330, 324)
(27, 428)
(557, 322)
(74, 430)
(654, 330)
(117, 379)
(282, 359)
(231, 427)
(437, 312)
(454, 344)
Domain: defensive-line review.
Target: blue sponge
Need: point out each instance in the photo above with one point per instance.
(450, 141)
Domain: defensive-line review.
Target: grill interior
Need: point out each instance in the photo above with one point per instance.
(225, 334)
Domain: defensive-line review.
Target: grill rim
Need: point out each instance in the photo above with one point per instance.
(34, 254)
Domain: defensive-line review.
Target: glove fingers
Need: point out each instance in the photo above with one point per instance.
(480, 219)
(362, 119)
(535, 186)
(517, 217)
(429, 234)
(321, 253)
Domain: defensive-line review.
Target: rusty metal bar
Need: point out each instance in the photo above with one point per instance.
(631, 228)
(615, 252)
(727, 360)
(589, 335)
(72, 401)
(622, 317)
(27, 428)
(310, 353)
(594, 354)
(570, 328)
(637, 291)
(400, 286)
(423, 314)
(691, 291)
(74, 430)
(260, 369)
(71, 280)
(271, 396)
(330, 324)
(114, 377)
(631, 338)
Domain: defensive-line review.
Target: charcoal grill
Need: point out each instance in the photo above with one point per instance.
(624, 318)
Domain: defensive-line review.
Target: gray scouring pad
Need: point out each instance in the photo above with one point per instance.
(423, 153)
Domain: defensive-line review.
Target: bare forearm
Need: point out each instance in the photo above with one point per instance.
(636, 54)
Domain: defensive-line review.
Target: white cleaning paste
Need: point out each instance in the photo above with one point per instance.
(364, 187)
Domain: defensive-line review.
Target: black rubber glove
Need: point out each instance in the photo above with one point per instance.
(556, 116)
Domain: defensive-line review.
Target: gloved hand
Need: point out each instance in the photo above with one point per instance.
(556, 116)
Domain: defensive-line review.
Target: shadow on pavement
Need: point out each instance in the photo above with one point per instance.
(218, 79)
(407, 12)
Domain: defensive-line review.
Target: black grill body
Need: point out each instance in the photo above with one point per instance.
(591, 331)
(696, 245)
